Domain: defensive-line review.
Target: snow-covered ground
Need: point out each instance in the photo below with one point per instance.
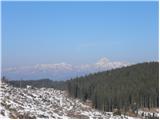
(148, 114)
(45, 103)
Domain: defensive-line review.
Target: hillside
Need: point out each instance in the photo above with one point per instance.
(45, 103)
(127, 88)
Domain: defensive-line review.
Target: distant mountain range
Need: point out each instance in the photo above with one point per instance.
(60, 71)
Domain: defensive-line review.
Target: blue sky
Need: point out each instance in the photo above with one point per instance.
(78, 32)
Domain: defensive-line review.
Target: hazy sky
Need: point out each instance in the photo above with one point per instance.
(78, 32)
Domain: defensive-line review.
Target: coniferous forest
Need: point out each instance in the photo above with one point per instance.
(47, 83)
(131, 87)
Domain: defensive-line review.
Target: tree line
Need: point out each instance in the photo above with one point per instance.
(47, 83)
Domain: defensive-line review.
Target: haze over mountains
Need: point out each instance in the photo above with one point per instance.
(60, 71)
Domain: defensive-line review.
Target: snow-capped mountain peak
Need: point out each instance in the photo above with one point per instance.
(103, 61)
(106, 64)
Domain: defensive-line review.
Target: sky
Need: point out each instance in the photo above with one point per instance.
(78, 32)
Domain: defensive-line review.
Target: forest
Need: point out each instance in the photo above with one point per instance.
(131, 87)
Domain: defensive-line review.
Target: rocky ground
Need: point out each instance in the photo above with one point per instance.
(45, 103)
